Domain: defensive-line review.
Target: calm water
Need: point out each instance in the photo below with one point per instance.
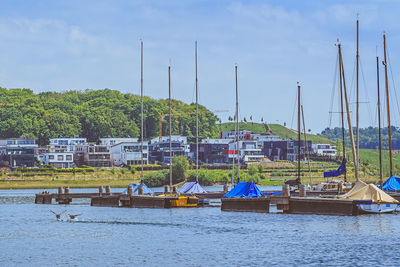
(31, 236)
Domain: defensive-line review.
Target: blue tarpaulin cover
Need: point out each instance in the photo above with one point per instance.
(391, 184)
(146, 190)
(244, 190)
(338, 172)
(192, 187)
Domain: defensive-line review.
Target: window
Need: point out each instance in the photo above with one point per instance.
(68, 157)
(60, 157)
(51, 156)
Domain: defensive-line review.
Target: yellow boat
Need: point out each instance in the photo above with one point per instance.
(182, 201)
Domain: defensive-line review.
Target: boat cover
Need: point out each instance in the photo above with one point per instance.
(192, 187)
(360, 184)
(371, 192)
(391, 184)
(244, 190)
(338, 172)
(146, 190)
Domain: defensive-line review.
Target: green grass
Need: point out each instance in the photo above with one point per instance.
(286, 133)
(257, 128)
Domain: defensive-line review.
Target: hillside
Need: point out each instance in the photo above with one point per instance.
(281, 131)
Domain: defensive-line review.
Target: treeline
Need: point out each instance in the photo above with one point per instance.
(95, 114)
(369, 137)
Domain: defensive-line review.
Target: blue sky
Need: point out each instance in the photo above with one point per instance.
(63, 45)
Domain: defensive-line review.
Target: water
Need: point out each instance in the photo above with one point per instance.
(30, 235)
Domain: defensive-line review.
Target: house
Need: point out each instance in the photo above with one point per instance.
(18, 152)
(130, 153)
(93, 155)
(324, 150)
(212, 151)
(250, 151)
(159, 148)
(286, 149)
(110, 141)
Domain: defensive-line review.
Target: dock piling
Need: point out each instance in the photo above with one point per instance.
(108, 190)
(286, 190)
(225, 188)
(140, 190)
(302, 191)
(166, 189)
(100, 190)
(130, 190)
(60, 190)
(66, 190)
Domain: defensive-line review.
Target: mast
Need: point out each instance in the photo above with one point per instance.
(348, 115)
(379, 122)
(197, 117)
(342, 116)
(387, 104)
(170, 126)
(357, 108)
(233, 158)
(237, 123)
(306, 145)
(298, 131)
(141, 107)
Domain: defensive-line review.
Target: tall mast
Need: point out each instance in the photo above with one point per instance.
(387, 104)
(379, 122)
(342, 116)
(197, 117)
(170, 126)
(237, 123)
(233, 156)
(357, 107)
(306, 145)
(348, 115)
(141, 107)
(298, 132)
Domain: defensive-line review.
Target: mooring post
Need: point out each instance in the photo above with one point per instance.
(225, 188)
(302, 190)
(340, 186)
(66, 190)
(60, 190)
(108, 190)
(165, 189)
(173, 189)
(286, 190)
(140, 190)
(100, 190)
(130, 190)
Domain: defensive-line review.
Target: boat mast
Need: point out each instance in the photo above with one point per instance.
(306, 145)
(342, 116)
(348, 115)
(141, 107)
(170, 126)
(379, 122)
(387, 104)
(197, 117)
(298, 131)
(237, 123)
(357, 108)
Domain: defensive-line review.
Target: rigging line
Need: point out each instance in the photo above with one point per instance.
(366, 91)
(394, 86)
(333, 91)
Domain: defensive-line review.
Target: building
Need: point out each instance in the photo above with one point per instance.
(18, 152)
(58, 159)
(212, 151)
(130, 153)
(66, 144)
(159, 148)
(93, 155)
(243, 135)
(286, 150)
(250, 151)
(324, 150)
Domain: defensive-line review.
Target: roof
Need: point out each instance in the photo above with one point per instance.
(244, 190)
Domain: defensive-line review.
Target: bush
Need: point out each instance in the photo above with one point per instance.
(180, 165)
(158, 178)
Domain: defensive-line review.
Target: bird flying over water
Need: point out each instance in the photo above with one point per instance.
(58, 215)
(71, 216)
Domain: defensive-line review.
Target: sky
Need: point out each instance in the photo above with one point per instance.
(49, 45)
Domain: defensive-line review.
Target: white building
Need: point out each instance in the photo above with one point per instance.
(58, 159)
(129, 153)
(250, 151)
(66, 144)
(324, 149)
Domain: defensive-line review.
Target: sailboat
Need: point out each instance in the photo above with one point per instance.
(245, 196)
(195, 187)
(377, 200)
(177, 201)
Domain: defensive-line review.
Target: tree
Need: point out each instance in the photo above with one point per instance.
(244, 119)
(262, 119)
(180, 165)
